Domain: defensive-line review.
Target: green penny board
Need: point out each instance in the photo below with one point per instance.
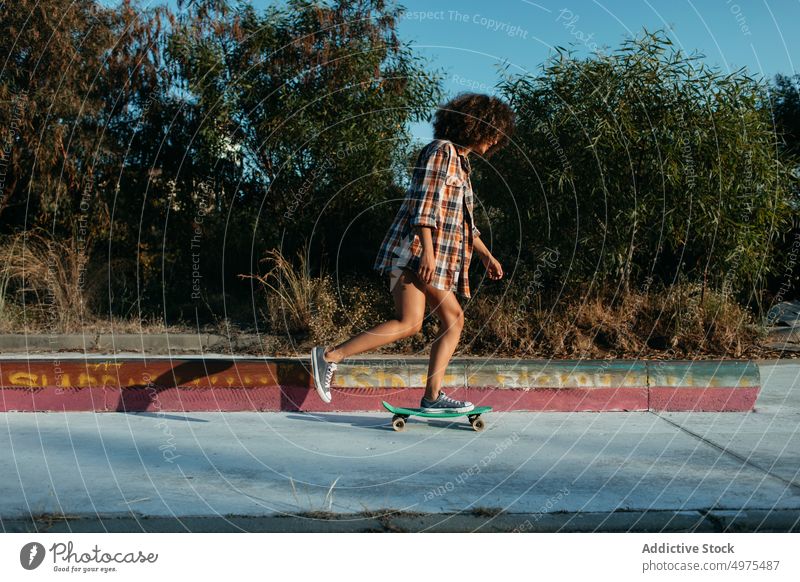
(401, 414)
(418, 411)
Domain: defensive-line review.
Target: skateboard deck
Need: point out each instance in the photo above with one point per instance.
(402, 414)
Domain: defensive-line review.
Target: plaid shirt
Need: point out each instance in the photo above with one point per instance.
(438, 196)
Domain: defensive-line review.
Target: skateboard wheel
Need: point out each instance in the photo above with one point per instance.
(398, 423)
(478, 424)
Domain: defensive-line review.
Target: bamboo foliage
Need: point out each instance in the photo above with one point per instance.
(645, 162)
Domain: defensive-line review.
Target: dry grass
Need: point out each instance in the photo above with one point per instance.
(298, 303)
(303, 309)
(682, 321)
(309, 310)
(679, 322)
(685, 320)
(148, 325)
(50, 275)
(49, 285)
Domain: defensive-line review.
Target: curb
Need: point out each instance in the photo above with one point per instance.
(164, 343)
(109, 383)
(662, 521)
(780, 339)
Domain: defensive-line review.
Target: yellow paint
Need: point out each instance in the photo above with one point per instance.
(389, 380)
(108, 380)
(86, 380)
(361, 376)
(214, 379)
(105, 365)
(24, 379)
(65, 382)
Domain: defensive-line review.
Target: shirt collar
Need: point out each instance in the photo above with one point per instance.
(463, 157)
(464, 160)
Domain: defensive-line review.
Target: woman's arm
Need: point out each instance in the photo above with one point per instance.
(427, 262)
(479, 248)
(493, 267)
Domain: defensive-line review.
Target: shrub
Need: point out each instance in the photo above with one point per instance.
(642, 162)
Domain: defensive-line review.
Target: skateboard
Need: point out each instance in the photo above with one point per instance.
(401, 414)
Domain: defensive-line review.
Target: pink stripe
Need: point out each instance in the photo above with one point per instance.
(365, 399)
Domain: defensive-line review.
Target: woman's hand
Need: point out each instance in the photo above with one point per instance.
(493, 267)
(427, 266)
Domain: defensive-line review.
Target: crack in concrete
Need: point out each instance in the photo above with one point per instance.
(791, 483)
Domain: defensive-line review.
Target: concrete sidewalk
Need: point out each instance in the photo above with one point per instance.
(292, 471)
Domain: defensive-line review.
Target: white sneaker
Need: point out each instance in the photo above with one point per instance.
(322, 371)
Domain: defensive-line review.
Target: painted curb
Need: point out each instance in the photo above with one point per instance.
(104, 383)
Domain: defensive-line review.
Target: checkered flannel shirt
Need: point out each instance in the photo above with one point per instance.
(440, 196)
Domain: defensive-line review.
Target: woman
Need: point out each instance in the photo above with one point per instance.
(428, 247)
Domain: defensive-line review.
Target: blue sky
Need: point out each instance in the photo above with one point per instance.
(466, 40)
(469, 38)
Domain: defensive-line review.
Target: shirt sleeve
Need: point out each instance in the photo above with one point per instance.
(427, 197)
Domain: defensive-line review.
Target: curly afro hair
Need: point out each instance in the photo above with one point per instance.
(470, 119)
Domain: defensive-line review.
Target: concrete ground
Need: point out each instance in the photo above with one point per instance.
(610, 471)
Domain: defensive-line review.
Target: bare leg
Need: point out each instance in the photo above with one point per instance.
(409, 302)
(451, 317)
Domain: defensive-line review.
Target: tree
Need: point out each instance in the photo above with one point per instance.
(316, 98)
(71, 72)
(643, 163)
(786, 105)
